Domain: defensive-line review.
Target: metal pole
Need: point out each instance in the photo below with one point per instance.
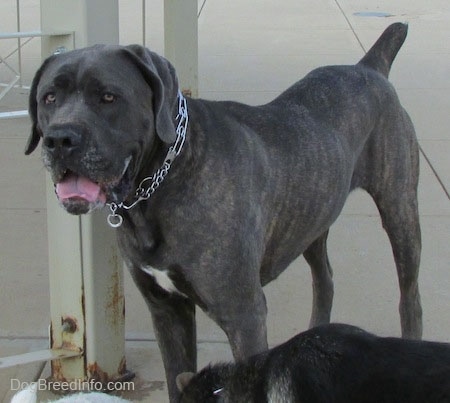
(19, 44)
(144, 25)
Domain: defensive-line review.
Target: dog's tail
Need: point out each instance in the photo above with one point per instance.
(381, 55)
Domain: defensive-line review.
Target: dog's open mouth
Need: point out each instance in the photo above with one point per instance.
(79, 194)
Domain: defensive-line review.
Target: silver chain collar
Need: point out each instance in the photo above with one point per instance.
(114, 219)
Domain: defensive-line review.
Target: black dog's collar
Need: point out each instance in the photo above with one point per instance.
(114, 219)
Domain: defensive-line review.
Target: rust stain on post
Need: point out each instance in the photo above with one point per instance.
(187, 92)
(57, 372)
(69, 324)
(96, 373)
(122, 366)
(65, 340)
(115, 301)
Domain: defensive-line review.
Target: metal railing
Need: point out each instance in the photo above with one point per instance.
(23, 38)
(17, 80)
(17, 73)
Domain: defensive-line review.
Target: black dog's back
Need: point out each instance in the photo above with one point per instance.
(333, 364)
(377, 369)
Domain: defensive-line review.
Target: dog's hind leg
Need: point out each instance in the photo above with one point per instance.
(323, 290)
(391, 174)
(400, 219)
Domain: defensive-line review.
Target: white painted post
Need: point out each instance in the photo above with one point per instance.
(181, 42)
(93, 21)
(86, 287)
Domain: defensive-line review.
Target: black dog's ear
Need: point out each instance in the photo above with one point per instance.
(35, 135)
(161, 77)
(183, 379)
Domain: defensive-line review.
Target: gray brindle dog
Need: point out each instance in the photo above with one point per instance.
(228, 195)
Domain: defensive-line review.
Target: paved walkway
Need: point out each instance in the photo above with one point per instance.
(250, 51)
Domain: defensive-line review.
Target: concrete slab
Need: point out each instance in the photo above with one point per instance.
(12, 378)
(149, 383)
(432, 199)
(258, 79)
(437, 152)
(429, 110)
(250, 51)
(24, 290)
(20, 191)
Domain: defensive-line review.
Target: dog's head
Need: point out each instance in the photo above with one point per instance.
(99, 111)
(206, 386)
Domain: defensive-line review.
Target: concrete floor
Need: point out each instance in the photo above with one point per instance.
(250, 51)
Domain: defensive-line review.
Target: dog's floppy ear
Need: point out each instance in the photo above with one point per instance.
(36, 134)
(161, 77)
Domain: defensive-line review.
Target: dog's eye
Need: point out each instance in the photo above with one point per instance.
(108, 98)
(50, 98)
(217, 392)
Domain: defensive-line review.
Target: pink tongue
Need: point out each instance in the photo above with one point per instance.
(81, 187)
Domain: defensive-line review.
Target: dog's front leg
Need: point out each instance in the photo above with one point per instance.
(174, 325)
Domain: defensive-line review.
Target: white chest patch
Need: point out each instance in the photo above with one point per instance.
(163, 279)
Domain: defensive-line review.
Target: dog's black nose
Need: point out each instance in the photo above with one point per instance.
(62, 142)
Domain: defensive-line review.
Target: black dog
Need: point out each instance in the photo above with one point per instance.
(213, 200)
(329, 364)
